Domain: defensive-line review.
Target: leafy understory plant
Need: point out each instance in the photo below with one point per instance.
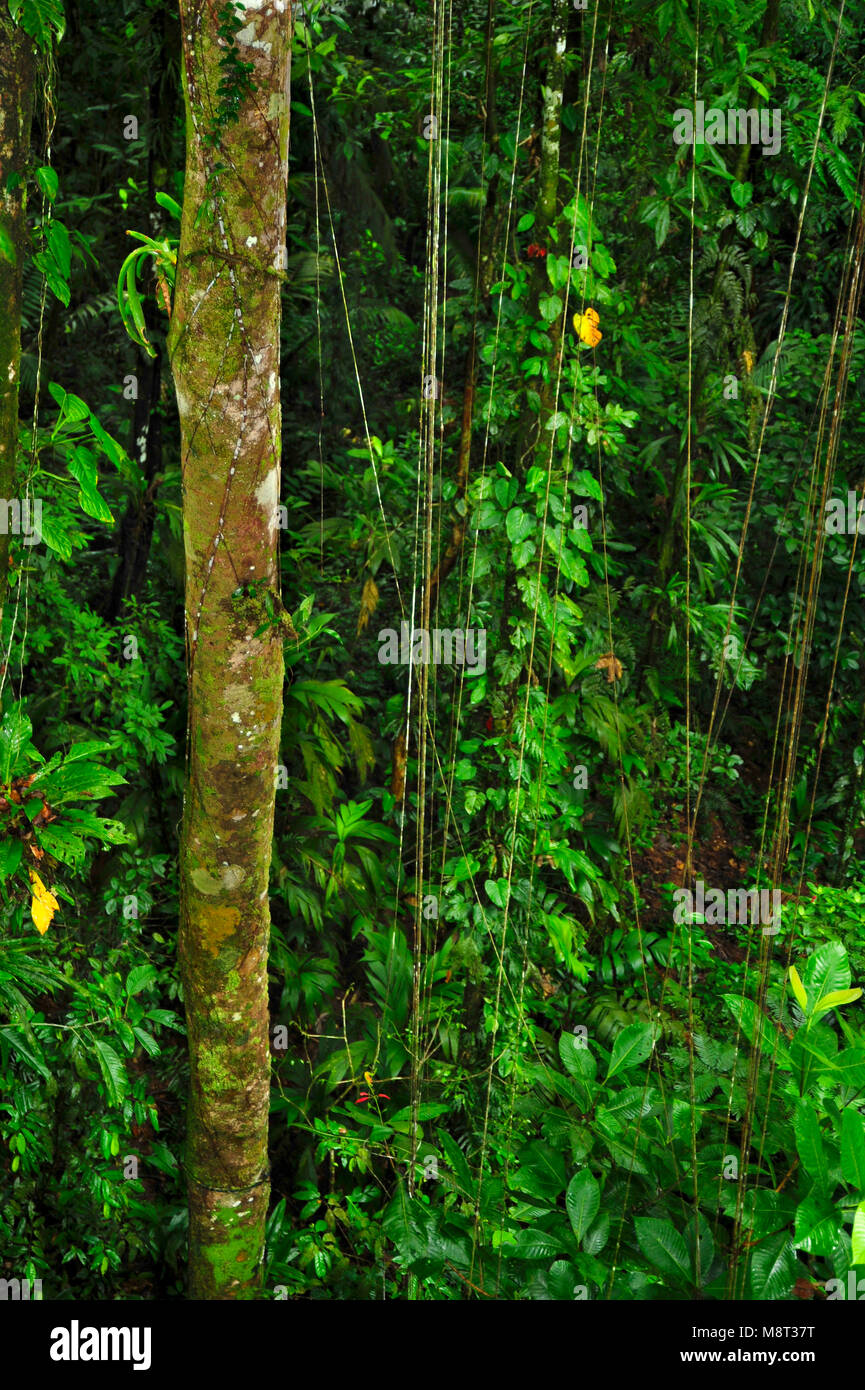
(39, 824)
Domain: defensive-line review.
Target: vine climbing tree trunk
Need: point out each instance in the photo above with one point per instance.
(16, 112)
(224, 350)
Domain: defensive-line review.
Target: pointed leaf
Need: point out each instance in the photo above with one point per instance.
(582, 1201)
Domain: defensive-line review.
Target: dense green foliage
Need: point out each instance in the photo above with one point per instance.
(501, 1067)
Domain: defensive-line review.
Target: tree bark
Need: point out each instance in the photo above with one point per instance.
(16, 114)
(223, 346)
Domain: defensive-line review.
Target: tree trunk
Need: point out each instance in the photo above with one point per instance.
(224, 350)
(16, 113)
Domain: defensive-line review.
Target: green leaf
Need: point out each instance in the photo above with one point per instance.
(853, 1148)
(113, 1071)
(859, 1235)
(519, 525)
(7, 246)
(60, 247)
(582, 1202)
(773, 1268)
(561, 1280)
(15, 733)
(48, 182)
(834, 999)
(809, 1143)
(38, 17)
(10, 857)
(597, 1236)
(62, 844)
(147, 1040)
(828, 969)
(72, 407)
(550, 307)
(577, 1059)
(632, 1046)
(533, 1244)
(818, 1225)
(664, 1247)
(139, 978)
(759, 87)
(758, 1029)
(167, 202)
(542, 1172)
(93, 504)
(32, 1059)
(584, 484)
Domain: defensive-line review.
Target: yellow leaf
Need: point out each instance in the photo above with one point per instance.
(587, 327)
(43, 906)
(798, 989)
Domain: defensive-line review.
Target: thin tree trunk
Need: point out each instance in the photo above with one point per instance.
(224, 350)
(16, 114)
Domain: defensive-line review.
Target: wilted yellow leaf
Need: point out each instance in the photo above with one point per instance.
(612, 665)
(587, 327)
(43, 906)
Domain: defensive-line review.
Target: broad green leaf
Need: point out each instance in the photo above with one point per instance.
(597, 1235)
(113, 1070)
(14, 1038)
(664, 1247)
(582, 1201)
(576, 1058)
(139, 977)
(561, 1280)
(15, 732)
(541, 1173)
(818, 1224)
(809, 1143)
(48, 182)
(147, 1040)
(853, 1148)
(519, 525)
(773, 1268)
(859, 1235)
(54, 534)
(10, 857)
(632, 1046)
(534, 1244)
(826, 970)
(758, 1029)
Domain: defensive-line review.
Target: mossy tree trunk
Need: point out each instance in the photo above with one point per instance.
(224, 350)
(17, 66)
